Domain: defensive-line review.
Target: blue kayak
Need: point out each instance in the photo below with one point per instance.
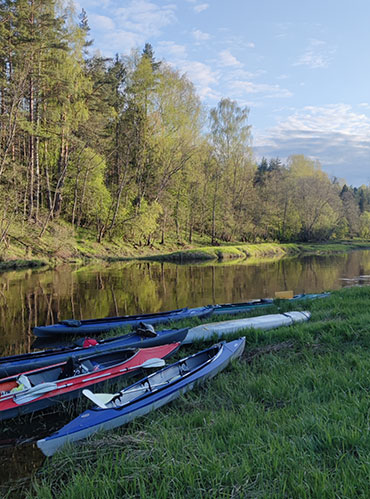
(24, 362)
(144, 396)
(239, 308)
(88, 327)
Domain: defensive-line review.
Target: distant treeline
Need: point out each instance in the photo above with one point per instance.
(125, 148)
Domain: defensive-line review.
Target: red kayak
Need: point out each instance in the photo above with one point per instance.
(40, 388)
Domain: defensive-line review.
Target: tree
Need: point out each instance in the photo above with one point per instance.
(261, 171)
(41, 95)
(231, 142)
(365, 225)
(316, 199)
(351, 211)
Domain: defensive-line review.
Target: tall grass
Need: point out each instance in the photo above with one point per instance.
(290, 419)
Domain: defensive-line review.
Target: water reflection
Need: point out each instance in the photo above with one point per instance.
(28, 298)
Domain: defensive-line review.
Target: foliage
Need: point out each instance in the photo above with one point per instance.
(121, 145)
(365, 225)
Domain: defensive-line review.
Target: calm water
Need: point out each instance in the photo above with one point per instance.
(34, 297)
(28, 298)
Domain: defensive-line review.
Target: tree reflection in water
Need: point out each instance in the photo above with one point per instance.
(32, 297)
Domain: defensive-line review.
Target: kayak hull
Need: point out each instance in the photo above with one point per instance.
(96, 326)
(97, 419)
(263, 322)
(20, 363)
(239, 308)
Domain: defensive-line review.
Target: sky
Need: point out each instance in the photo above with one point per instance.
(301, 66)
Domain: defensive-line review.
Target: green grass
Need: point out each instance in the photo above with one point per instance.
(257, 252)
(238, 251)
(62, 243)
(290, 419)
(328, 248)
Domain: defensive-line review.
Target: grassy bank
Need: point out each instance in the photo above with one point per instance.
(263, 250)
(290, 419)
(257, 251)
(61, 244)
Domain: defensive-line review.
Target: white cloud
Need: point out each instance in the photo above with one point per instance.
(227, 59)
(232, 39)
(172, 49)
(200, 36)
(244, 86)
(202, 76)
(145, 17)
(120, 41)
(241, 74)
(102, 23)
(317, 55)
(131, 26)
(89, 5)
(335, 134)
(338, 117)
(201, 7)
(199, 73)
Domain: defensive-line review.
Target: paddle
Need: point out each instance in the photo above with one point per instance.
(101, 399)
(34, 392)
(154, 362)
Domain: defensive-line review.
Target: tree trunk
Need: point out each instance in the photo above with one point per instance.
(62, 170)
(31, 152)
(214, 205)
(47, 177)
(75, 196)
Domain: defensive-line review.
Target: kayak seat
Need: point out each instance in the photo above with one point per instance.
(184, 368)
(174, 378)
(130, 395)
(87, 366)
(146, 330)
(69, 369)
(24, 380)
(45, 377)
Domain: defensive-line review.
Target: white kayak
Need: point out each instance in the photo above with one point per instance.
(264, 322)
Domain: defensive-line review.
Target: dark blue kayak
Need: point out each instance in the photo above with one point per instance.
(144, 396)
(20, 363)
(88, 327)
(238, 308)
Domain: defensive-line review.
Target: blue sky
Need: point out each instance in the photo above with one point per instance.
(302, 67)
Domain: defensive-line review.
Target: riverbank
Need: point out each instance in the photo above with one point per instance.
(261, 251)
(61, 244)
(289, 419)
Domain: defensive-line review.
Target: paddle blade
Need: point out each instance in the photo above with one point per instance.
(33, 393)
(99, 399)
(155, 362)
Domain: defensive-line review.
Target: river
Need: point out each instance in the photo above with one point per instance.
(32, 297)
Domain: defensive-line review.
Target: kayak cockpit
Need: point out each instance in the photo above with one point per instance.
(161, 378)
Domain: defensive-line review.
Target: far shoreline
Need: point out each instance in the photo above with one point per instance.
(196, 254)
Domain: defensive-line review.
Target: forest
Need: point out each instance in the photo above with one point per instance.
(123, 148)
